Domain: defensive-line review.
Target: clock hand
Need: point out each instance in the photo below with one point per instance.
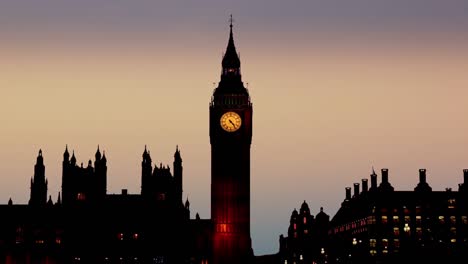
(230, 121)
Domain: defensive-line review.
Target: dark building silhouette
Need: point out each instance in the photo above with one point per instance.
(230, 138)
(381, 225)
(88, 225)
(307, 239)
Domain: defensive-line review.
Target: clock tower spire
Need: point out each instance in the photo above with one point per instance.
(230, 138)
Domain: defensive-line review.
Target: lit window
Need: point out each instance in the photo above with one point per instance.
(406, 228)
(120, 236)
(306, 231)
(39, 241)
(294, 226)
(385, 242)
(384, 219)
(396, 231)
(305, 220)
(453, 240)
(222, 228)
(407, 218)
(465, 220)
(373, 252)
(371, 220)
(372, 242)
(19, 235)
(451, 203)
(453, 230)
(396, 219)
(135, 236)
(418, 219)
(441, 219)
(419, 231)
(453, 219)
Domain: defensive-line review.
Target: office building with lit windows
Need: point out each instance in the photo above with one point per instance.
(381, 225)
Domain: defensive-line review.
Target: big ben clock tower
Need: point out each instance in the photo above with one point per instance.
(230, 138)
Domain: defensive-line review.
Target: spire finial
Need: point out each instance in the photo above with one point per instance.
(373, 171)
(230, 21)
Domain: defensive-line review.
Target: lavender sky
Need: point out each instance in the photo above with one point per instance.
(337, 87)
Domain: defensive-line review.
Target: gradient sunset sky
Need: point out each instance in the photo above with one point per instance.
(337, 87)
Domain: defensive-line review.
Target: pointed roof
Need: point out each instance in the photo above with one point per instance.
(231, 59)
(39, 157)
(66, 154)
(98, 153)
(73, 159)
(177, 154)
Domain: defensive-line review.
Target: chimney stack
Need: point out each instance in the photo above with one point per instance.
(364, 185)
(384, 175)
(348, 193)
(356, 189)
(465, 176)
(422, 175)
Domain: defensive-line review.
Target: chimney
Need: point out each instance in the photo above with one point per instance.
(348, 193)
(384, 175)
(465, 176)
(364, 185)
(356, 189)
(422, 175)
(373, 179)
(124, 191)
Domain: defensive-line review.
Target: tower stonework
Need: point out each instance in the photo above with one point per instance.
(230, 138)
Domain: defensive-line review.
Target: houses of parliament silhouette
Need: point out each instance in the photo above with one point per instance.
(87, 225)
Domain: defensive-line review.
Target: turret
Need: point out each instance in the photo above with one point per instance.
(73, 159)
(66, 155)
(178, 174)
(98, 154)
(146, 171)
(39, 183)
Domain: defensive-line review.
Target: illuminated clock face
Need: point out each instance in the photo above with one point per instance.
(231, 121)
